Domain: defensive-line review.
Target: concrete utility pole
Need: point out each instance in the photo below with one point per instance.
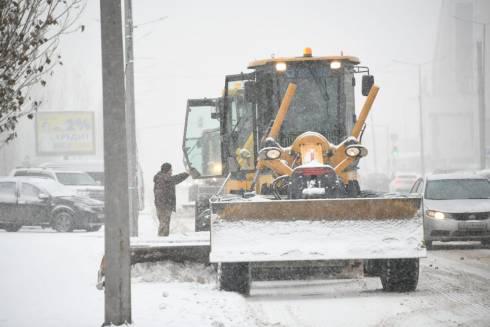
(117, 255)
(481, 67)
(130, 112)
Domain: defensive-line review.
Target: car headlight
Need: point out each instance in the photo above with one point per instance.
(435, 214)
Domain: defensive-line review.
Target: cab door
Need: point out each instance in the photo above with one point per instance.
(33, 205)
(202, 143)
(239, 124)
(8, 202)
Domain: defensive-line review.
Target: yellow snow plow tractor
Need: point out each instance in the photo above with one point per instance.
(291, 204)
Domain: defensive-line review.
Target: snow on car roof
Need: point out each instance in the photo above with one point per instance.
(468, 175)
(53, 170)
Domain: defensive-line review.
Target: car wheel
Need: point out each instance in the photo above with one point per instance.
(400, 275)
(63, 222)
(93, 229)
(12, 228)
(428, 245)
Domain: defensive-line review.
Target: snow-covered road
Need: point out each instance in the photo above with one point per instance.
(48, 279)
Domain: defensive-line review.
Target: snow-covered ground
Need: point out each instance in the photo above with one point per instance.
(48, 279)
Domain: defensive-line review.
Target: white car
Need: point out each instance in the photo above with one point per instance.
(403, 182)
(82, 183)
(456, 207)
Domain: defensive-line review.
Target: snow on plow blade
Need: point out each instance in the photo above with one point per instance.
(176, 248)
(323, 229)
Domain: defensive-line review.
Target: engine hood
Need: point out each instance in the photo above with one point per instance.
(74, 199)
(458, 206)
(86, 187)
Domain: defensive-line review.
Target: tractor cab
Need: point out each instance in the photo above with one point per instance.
(323, 103)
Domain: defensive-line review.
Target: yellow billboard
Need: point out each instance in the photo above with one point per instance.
(65, 133)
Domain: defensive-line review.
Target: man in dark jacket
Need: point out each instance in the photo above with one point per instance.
(164, 190)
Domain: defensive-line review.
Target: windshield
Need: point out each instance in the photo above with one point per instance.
(53, 187)
(77, 178)
(458, 189)
(320, 102)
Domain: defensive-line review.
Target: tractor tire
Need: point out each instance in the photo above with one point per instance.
(400, 275)
(353, 189)
(235, 277)
(63, 222)
(12, 228)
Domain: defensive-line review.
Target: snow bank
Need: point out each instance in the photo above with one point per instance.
(170, 272)
(173, 294)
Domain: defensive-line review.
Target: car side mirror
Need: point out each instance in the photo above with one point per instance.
(367, 84)
(43, 196)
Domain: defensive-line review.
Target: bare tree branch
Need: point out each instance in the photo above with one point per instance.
(29, 36)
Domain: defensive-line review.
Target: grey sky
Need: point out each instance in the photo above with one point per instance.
(188, 54)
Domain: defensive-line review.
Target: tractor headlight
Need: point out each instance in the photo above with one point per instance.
(281, 67)
(273, 153)
(270, 153)
(352, 151)
(435, 214)
(356, 150)
(335, 64)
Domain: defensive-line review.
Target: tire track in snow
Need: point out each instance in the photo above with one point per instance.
(457, 281)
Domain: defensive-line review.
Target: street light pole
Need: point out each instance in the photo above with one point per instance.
(421, 120)
(421, 115)
(482, 98)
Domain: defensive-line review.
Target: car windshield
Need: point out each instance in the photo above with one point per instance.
(75, 178)
(52, 187)
(453, 189)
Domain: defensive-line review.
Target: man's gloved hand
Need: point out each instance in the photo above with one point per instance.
(194, 173)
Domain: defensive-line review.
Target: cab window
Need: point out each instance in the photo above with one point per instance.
(202, 146)
(241, 126)
(7, 192)
(29, 192)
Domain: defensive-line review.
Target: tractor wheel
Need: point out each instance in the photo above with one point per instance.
(235, 277)
(353, 189)
(12, 228)
(400, 275)
(63, 222)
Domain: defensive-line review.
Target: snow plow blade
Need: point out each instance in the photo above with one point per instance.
(194, 248)
(318, 229)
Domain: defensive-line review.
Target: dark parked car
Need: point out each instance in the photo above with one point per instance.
(47, 203)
